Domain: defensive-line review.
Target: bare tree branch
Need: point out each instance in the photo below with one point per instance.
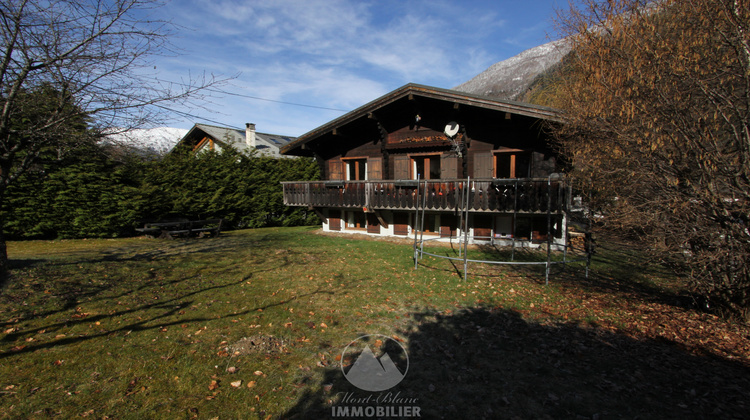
(657, 97)
(88, 60)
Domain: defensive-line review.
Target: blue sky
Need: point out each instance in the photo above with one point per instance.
(336, 55)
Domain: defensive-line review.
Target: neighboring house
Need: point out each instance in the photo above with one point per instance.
(203, 137)
(487, 159)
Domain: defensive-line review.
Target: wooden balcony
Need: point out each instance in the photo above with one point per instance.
(484, 195)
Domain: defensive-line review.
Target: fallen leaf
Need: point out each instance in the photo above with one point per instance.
(257, 373)
(236, 384)
(214, 384)
(251, 384)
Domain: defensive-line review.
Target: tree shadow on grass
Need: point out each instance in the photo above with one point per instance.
(482, 363)
(149, 249)
(70, 289)
(169, 313)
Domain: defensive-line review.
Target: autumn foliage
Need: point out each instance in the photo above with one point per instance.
(657, 99)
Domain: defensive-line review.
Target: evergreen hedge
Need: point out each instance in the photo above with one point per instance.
(92, 194)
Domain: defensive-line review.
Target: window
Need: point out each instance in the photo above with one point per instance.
(512, 164)
(356, 169)
(431, 223)
(426, 167)
(356, 220)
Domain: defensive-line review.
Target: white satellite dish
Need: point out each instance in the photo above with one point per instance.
(451, 129)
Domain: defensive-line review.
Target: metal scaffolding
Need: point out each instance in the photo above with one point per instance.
(462, 208)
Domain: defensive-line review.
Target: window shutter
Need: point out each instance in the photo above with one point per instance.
(334, 220)
(449, 167)
(483, 165)
(401, 167)
(335, 169)
(375, 168)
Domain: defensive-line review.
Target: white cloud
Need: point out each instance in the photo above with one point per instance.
(337, 53)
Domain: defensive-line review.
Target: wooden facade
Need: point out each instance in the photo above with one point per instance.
(497, 156)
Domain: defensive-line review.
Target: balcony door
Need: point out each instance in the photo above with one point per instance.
(356, 169)
(512, 164)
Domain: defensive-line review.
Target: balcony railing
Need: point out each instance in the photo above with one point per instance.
(491, 195)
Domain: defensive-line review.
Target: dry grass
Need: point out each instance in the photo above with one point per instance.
(252, 324)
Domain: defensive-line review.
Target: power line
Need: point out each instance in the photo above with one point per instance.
(192, 116)
(278, 102)
(259, 98)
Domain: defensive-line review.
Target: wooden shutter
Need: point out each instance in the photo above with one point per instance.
(483, 167)
(449, 167)
(334, 220)
(335, 169)
(375, 168)
(400, 224)
(373, 224)
(401, 167)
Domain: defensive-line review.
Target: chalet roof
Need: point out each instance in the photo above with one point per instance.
(454, 96)
(235, 137)
(226, 135)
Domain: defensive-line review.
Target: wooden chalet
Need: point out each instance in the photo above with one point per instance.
(473, 155)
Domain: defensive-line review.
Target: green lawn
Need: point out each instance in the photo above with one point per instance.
(253, 324)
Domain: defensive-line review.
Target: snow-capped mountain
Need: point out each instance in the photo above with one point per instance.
(159, 140)
(509, 79)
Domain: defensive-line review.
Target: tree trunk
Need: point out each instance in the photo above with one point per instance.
(4, 266)
(4, 271)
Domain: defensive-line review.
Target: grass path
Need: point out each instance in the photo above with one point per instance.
(253, 324)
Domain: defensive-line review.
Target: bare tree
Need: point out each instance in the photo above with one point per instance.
(88, 61)
(657, 97)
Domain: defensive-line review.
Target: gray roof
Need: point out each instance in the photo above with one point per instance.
(231, 136)
(235, 137)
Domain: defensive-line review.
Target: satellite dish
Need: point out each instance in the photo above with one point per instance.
(451, 129)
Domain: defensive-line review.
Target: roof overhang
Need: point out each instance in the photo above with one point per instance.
(519, 108)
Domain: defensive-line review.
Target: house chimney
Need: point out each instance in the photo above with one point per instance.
(250, 135)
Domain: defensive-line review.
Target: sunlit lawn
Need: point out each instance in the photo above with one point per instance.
(145, 328)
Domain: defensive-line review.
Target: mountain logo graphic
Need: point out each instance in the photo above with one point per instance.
(381, 362)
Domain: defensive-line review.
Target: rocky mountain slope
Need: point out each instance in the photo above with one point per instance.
(510, 79)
